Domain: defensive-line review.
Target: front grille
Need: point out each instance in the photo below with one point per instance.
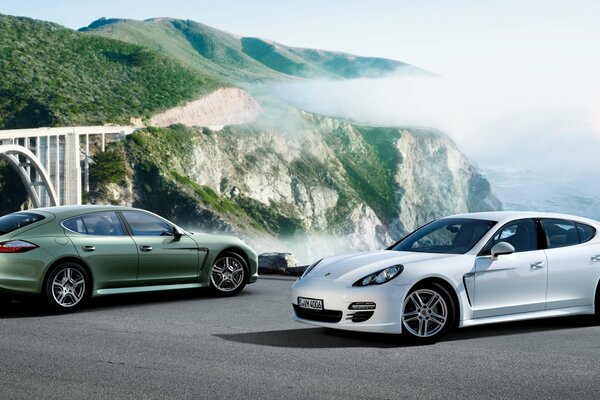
(318, 315)
(360, 316)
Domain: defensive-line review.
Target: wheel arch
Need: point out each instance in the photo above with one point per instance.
(240, 252)
(72, 259)
(451, 290)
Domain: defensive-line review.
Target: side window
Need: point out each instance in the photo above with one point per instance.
(99, 224)
(586, 232)
(522, 235)
(560, 233)
(143, 224)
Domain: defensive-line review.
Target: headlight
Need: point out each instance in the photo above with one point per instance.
(379, 277)
(310, 268)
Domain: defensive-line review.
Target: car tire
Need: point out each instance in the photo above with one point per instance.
(67, 287)
(427, 314)
(4, 299)
(597, 305)
(228, 274)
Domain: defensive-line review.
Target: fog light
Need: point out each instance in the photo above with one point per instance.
(362, 306)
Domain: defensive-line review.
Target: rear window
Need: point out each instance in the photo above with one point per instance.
(98, 224)
(560, 233)
(12, 222)
(586, 232)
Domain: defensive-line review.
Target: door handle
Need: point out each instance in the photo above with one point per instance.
(145, 248)
(89, 248)
(537, 265)
(596, 258)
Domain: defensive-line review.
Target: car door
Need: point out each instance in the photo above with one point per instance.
(511, 283)
(103, 244)
(573, 263)
(163, 259)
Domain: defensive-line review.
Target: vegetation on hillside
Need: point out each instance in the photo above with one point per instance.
(195, 45)
(157, 157)
(55, 76)
(242, 59)
(12, 191)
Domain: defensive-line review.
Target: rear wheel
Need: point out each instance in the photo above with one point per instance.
(67, 287)
(228, 275)
(597, 305)
(4, 299)
(427, 314)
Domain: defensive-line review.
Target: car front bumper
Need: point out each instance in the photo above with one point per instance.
(337, 299)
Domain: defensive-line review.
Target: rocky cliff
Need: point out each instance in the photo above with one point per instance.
(329, 184)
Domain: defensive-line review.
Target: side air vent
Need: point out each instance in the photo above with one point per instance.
(359, 316)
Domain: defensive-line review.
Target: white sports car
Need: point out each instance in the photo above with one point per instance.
(462, 270)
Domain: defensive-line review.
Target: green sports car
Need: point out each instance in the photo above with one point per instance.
(71, 253)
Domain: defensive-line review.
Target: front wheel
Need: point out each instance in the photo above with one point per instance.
(228, 275)
(67, 287)
(427, 314)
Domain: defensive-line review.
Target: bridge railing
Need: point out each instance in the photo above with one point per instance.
(49, 160)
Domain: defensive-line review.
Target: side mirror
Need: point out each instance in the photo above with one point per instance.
(501, 248)
(177, 234)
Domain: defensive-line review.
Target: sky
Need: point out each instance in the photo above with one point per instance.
(437, 35)
(518, 85)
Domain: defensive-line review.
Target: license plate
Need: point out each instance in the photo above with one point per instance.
(313, 304)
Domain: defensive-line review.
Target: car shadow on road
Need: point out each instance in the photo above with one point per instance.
(317, 338)
(35, 307)
(314, 338)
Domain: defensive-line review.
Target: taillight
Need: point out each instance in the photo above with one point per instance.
(16, 246)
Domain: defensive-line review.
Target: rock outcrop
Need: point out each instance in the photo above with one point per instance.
(277, 263)
(312, 185)
(227, 106)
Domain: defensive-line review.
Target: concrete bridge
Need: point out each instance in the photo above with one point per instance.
(53, 163)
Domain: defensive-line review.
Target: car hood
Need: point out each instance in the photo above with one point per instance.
(352, 267)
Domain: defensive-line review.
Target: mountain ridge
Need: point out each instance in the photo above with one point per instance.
(254, 57)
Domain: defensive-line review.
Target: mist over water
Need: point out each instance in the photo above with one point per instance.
(536, 138)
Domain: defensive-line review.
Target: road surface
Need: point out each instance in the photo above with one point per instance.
(190, 345)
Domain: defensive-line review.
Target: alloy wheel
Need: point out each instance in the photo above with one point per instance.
(425, 313)
(227, 274)
(68, 287)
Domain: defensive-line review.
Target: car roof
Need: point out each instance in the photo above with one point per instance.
(65, 211)
(506, 216)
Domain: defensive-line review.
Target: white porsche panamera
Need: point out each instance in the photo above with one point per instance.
(462, 270)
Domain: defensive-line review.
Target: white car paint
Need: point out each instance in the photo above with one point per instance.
(517, 286)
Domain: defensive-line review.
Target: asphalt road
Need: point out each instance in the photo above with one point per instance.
(190, 345)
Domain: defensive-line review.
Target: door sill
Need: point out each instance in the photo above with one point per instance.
(143, 289)
(559, 312)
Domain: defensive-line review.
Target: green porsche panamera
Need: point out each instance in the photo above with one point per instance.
(69, 254)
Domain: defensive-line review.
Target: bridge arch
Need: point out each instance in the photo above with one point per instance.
(11, 153)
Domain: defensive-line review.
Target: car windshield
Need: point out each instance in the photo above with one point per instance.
(11, 222)
(448, 235)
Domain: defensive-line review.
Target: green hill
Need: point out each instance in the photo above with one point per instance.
(242, 58)
(56, 76)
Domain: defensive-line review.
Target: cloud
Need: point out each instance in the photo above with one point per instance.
(526, 120)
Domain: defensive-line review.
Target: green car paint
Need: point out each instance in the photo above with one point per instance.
(120, 263)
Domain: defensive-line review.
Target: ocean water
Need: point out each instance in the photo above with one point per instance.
(527, 190)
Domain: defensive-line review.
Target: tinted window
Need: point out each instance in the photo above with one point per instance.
(560, 233)
(448, 235)
(143, 224)
(522, 235)
(586, 232)
(99, 224)
(11, 222)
